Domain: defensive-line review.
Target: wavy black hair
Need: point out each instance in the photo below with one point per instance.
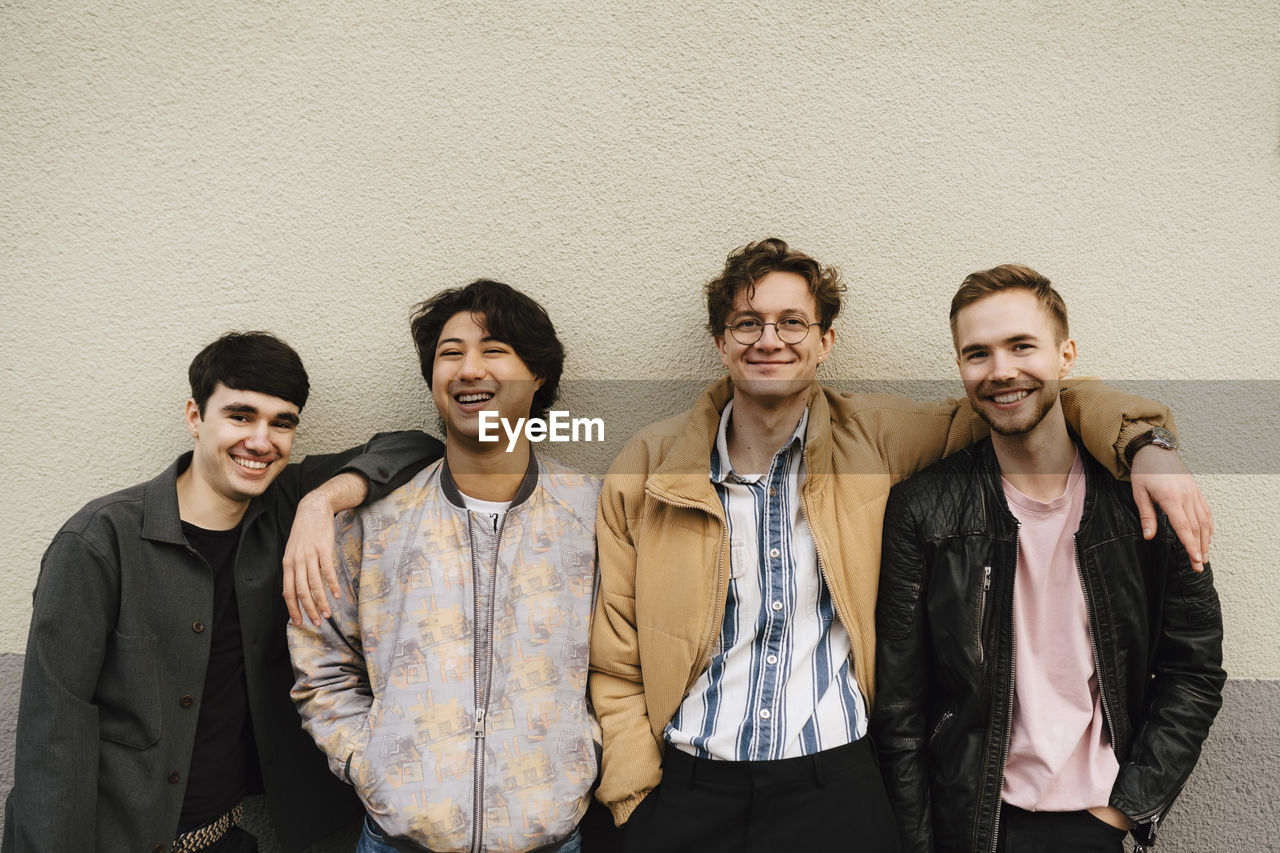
(508, 316)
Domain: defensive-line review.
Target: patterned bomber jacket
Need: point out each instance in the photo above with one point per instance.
(449, 686)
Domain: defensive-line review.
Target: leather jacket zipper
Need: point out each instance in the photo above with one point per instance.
(1150, 820)
(941, 723)
(982, 611)
(1093, 641)
(483, 677)
(1008, 718)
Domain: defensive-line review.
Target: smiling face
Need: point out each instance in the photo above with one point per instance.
(242, 442)
(474, 372)
(771, 371)
(1010, 360)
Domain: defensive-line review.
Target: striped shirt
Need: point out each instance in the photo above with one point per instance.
(780, 683)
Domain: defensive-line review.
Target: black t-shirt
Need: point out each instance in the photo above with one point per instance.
(224, 764)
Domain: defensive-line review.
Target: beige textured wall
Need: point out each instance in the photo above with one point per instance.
(169, 170)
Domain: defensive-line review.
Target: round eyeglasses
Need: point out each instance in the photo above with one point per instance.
(791, 329)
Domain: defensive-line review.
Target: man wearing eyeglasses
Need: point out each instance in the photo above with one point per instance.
(733, 645)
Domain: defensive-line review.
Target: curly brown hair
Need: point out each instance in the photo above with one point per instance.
(747, 264)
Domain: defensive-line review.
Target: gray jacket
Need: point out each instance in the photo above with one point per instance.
(116, 661)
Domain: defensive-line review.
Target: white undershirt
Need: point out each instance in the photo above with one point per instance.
(492, 510)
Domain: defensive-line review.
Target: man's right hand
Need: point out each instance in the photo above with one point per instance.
(308, 558)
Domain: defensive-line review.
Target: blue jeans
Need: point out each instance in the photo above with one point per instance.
(372, 841)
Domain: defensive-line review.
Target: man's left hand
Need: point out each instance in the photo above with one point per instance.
(1159, 476)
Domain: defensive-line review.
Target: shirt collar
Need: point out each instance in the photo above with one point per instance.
(722, 468)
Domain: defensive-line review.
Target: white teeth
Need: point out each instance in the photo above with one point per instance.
(1012, 397)
(249, 463)
(474, 398)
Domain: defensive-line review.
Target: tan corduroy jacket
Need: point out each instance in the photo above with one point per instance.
(664, 550)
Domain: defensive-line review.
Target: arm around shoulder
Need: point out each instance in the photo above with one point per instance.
(332, 690)
(385, 462)
(339, 482)
(1107, 419)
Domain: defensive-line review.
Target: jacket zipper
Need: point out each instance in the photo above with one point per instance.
(1008, 718)
(482, 686)
(1156, 814)
(822, 573)
(1093, 641)
(982, 611)
(716, 615)
(1140, 847)
(942, 722)
(1153, 817)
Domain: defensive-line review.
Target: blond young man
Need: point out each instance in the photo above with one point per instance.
(1046, 675)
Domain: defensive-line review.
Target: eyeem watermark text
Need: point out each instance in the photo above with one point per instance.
(557, 427)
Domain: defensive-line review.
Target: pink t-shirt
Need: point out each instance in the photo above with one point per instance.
(1060, 758)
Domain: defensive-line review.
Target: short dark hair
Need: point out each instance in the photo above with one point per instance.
(509, 316)
(249, 361)
(747, 264)
(983, 283)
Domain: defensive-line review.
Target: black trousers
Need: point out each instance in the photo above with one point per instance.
(1055, 832)
(832, 800)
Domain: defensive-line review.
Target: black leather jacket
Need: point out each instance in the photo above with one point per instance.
(944, 621)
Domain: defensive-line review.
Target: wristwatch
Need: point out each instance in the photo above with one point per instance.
(1159, 436)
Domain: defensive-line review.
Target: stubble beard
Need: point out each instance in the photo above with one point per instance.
(1021, 426)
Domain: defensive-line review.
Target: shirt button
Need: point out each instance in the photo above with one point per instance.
(764, 713)
(773, 493)
(197, 626)
(186, 701)
(777, 605)
(774, 552)
(174, 777)
(772, 659)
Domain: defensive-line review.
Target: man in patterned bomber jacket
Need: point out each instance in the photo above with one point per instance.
(449, 684)
(1046, 676)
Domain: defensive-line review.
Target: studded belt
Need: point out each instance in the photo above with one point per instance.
(204, 836)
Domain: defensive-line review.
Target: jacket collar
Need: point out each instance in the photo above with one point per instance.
(989, 478)
(685, 474)
(527, 484)
(161, 519)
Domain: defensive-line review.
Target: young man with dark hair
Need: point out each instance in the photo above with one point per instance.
(155, 689)
(1046, 676)
(733, 646)
(449, 685)
(509, 316)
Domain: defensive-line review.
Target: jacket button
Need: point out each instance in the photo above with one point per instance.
(174, 777)
(383, 472)
(197, 626)
(159, 848)
(186, 701)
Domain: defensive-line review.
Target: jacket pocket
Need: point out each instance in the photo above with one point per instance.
(982, 612)
(943, 722)
(128, 696)
(1200, 599)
